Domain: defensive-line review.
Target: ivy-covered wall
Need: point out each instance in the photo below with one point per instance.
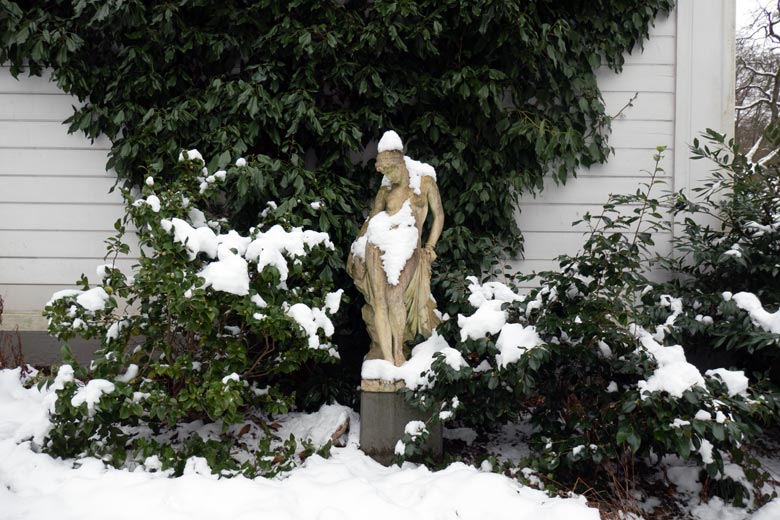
(495, 94)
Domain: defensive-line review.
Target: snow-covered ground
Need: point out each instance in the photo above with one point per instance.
(349, 485)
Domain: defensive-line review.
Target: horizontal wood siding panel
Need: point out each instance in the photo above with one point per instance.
(638, 78)
(81, 190)
(648, 106)
(25, 84)
(541, 217)
(634, 162)
(545, 245)
(45, 134)
(58, 244)
(553, 219)
(655, 51)
(532, 266)
(29, 297)
(45, 107)
(53, 217)
(546, 220)
(631, 162)
(588, 190)
(53, 162)
(641, 134)
(664, 25)
(52, 271)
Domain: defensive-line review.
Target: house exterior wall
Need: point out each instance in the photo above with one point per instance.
(684, 81)
(55, 209)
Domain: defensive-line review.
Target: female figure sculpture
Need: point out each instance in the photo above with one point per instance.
(388, 262)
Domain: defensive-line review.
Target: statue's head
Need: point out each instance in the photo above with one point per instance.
(390, 157)
(391, 165)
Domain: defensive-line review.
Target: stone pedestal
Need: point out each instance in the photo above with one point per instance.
(383, 416)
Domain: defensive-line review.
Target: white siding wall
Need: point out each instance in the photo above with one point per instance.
(684, 81)
(55, 210)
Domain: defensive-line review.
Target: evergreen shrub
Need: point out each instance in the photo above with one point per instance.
(199, 344)
(607, 395)
(727, 268)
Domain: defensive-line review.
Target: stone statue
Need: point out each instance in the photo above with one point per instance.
(389, 264)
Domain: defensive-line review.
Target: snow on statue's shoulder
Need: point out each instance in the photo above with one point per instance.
(418, 170)
(390, 141)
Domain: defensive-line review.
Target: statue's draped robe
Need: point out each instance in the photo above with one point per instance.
(419, 304)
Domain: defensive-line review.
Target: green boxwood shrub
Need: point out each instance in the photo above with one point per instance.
(199, 342)
(607, 396)
(729, 244)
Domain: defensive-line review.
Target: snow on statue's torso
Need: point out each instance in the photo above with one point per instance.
(395, 235)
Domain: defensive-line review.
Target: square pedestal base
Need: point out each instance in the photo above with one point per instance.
(383, 417)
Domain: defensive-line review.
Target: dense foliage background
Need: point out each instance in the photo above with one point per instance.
(494, 94)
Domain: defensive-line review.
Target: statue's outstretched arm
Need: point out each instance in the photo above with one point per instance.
(437, 212)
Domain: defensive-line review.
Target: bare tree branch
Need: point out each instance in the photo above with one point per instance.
(752, 152)
(758, 84)
(753, 104)
(756, 71)
(768, 157)
(752, 87)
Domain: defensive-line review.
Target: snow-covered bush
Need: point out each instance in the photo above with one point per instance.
(728, 269)
(197, 342)
(605, 396)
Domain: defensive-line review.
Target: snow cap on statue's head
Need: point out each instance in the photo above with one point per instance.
(390, 141)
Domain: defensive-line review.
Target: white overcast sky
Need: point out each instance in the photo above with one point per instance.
(746, 7)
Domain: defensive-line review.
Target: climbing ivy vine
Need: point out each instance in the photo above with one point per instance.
(496, 94)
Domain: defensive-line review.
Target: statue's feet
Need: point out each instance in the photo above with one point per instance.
(376, 353)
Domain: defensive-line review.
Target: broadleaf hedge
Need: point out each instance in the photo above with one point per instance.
(496, 95)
